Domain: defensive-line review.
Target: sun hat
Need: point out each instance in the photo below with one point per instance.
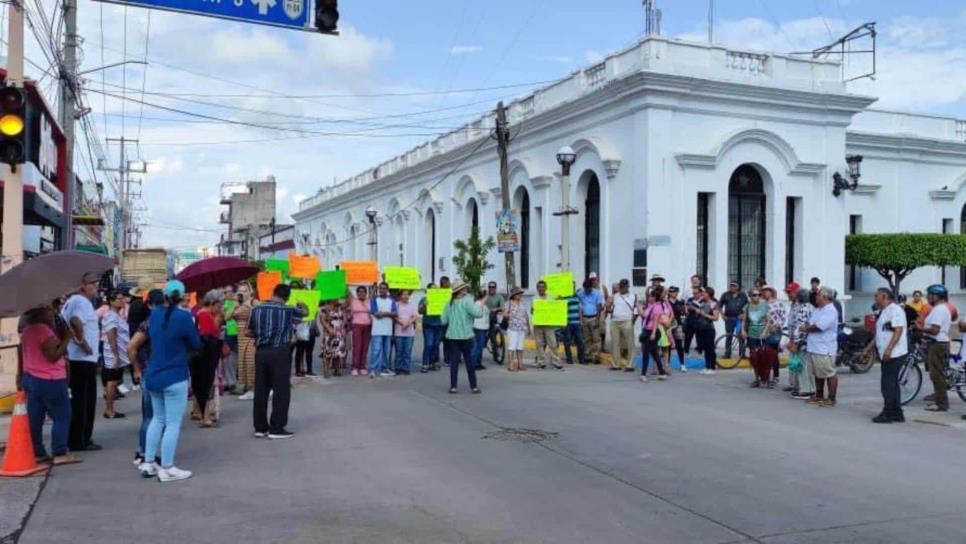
(516, 291)
(460, 286)
(172, 287)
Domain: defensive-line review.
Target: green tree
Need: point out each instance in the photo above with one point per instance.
(470, 259)
(895, 256)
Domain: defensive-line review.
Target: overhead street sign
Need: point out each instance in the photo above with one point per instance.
(292, 14)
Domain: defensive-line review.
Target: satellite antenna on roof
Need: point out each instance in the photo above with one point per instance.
(652, 18)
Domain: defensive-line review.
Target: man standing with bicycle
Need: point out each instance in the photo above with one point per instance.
(733, 304)
(494, 301)
(936, 332)
(891, 345)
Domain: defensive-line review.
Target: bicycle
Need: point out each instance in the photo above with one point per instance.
(910, 375)
(496, 344)
(721, 345)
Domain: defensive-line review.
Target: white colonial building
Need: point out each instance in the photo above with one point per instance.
(691, 158)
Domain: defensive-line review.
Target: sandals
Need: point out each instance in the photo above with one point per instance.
(117, 415)
(66, 459)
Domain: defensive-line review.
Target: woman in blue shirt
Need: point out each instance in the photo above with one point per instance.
(172, 333)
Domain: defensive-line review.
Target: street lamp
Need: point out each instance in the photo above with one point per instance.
(371, 213)
(566, 158)
(840, 184)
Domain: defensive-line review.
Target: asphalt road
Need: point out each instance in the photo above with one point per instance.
(583, 455)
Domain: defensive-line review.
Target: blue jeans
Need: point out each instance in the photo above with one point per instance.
(168, 405)
(404, 350)
(379, 353)
(479, 344)
(573, 334)
(47, 397)
(431, 338)
(147, 414)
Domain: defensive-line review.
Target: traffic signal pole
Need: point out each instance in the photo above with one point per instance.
(12, 227)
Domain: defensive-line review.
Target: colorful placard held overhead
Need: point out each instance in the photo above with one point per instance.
(231, 326)
(402, 277)
(331, 285)
(309, 297)
(360, 272)
(436, 300)
(277, 265)
(559, 285)
(303, 267)
(265, 282)
(549, 313)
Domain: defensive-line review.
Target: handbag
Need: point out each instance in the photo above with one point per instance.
(796, 363)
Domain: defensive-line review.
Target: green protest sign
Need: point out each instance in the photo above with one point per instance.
(436, 300)
(308, 297)
(231, 326)
(401, 277)
(560, 285)
(549, 313)
(331, 285)
(279, 265)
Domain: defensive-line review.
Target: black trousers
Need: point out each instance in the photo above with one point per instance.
(689, 334)
(890, 386)
(273, 372)
(649, 350)
(460, 349)
(705, 336)
(303, 355)
(203, 368)
(83, 403)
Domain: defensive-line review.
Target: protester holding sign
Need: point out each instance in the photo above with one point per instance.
(458, 319)
(546, 335)
(432, 331)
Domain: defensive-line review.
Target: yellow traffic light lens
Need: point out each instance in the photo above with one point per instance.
(11, 125)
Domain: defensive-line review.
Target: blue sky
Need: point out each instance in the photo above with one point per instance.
(237, 72)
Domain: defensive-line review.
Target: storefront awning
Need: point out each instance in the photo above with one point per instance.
(92, 248)
(88, 220)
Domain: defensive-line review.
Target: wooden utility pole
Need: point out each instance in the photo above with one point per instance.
(502, 142)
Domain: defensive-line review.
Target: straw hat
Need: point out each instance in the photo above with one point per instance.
(460, 286)
(516, 291)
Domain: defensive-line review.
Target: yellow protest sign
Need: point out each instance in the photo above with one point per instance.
(402, 277)
(549, 313)
(309, 297)
(560, 285)
(436, 300)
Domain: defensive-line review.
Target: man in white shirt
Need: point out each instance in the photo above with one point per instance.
(891, 346)
(936, 331)
(821, 347)
(82, 354)
(621, 309)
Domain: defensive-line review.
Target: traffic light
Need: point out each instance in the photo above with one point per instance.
(13, 115)
(327, 16)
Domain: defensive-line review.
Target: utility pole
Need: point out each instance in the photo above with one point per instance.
(68, 97)
(123, 170)
(502, 142)
(12, 252)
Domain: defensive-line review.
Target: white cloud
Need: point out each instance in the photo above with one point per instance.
(464, 49)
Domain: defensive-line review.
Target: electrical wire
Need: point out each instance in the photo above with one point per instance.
(144, 74)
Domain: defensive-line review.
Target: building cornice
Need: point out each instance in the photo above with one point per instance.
(897, 144)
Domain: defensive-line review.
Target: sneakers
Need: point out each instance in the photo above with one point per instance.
(661, 377)
(643, 379)
(261, 434)
(802, 396)
(387, 373)
(247, 395)
(684, 369)
(124, 389)
(754, 384)
(708, 372)
(355, 372)
(148, 470)
(363, 372)
(280, 435)
(138, 459)
(173, 474)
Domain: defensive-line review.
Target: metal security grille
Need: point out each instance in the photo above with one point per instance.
(525, 241)
(746, 226)
(704, 203)
(592, 227)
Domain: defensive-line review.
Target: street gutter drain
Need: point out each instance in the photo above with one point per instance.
(520, 435)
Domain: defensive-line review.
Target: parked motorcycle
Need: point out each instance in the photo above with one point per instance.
(852, 340)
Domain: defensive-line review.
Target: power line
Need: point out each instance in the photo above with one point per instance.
(144, 73)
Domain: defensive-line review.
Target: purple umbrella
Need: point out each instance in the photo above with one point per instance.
(38, 281)
(215, 272)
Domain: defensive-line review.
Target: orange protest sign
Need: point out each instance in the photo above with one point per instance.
(266, 282)
(303, 267)
(192, 300)
(360, 272)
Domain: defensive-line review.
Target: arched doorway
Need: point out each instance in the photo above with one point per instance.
(746, 226)
(429, 235)
(592, 226)
(472, 216)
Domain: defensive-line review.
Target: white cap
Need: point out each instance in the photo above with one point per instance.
(592, 275)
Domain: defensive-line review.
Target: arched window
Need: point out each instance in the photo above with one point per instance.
(592, 226)
(525, 240)
(472, 216)
(353, 242)
(746, 226)
(430, 239)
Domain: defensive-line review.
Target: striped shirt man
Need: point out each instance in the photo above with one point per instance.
(274, 323)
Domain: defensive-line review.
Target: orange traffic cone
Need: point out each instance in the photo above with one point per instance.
(19, 458)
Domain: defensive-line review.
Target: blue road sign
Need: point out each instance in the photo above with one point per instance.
(283, 13)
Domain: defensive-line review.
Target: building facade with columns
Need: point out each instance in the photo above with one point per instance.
(691, 158)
